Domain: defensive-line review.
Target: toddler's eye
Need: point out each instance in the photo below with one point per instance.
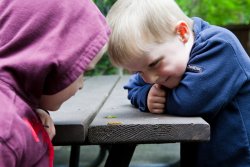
(156, 62)
(153, 64)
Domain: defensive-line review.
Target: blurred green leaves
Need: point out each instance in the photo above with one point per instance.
(103, 67)
(104, 5)
(219, 12)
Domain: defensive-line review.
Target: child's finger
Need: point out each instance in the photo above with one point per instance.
(157, 111)
(158, 106)
(50, 130)
(156, 99)
(157, 86)
(159, 91)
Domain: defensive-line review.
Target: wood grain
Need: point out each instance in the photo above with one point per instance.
(133, 126)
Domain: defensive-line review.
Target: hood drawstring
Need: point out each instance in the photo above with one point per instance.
(35, 128)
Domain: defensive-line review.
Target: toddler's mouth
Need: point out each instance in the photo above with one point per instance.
(163, 82)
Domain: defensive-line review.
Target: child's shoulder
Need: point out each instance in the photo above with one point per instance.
(221, 33)
(204, 31)
(215, 40)
(210, 37)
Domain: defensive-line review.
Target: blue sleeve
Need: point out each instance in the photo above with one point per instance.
(138, 92)
(207, 92)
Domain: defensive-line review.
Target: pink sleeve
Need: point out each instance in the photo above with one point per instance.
(7, 156)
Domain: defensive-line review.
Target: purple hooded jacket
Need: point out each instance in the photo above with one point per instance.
(44, 46)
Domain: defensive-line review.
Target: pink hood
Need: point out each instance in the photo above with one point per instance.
(46, 44)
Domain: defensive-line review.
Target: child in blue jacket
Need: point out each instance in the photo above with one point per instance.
(185, 66)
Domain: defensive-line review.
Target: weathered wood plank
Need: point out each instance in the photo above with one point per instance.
(139, 127)
(75, 115)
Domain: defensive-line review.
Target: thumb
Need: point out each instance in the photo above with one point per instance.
(157, 86)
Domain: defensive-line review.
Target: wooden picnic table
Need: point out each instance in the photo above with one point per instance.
(73, 118)
(100, 114)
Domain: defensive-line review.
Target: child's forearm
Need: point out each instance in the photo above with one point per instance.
(137, 92)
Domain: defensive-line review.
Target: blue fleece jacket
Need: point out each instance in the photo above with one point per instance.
(215, 86)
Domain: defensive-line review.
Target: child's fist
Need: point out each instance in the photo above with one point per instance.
(156, 99)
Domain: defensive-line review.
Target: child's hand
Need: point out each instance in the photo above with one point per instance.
(47, 122)
(156, 99)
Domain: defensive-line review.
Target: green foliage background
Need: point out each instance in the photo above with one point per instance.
(219, 12)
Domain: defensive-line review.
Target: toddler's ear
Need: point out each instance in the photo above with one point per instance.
(182, 31)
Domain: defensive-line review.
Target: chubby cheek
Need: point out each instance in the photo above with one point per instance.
(175, 70)
(180, 69)
(170, 77)
(165, 70)
(51, 103)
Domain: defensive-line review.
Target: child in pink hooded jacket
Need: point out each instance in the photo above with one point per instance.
(45, 47)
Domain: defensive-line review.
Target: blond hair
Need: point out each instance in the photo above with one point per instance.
(138, 24)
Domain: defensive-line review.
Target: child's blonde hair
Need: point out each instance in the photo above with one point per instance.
(139, 24)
